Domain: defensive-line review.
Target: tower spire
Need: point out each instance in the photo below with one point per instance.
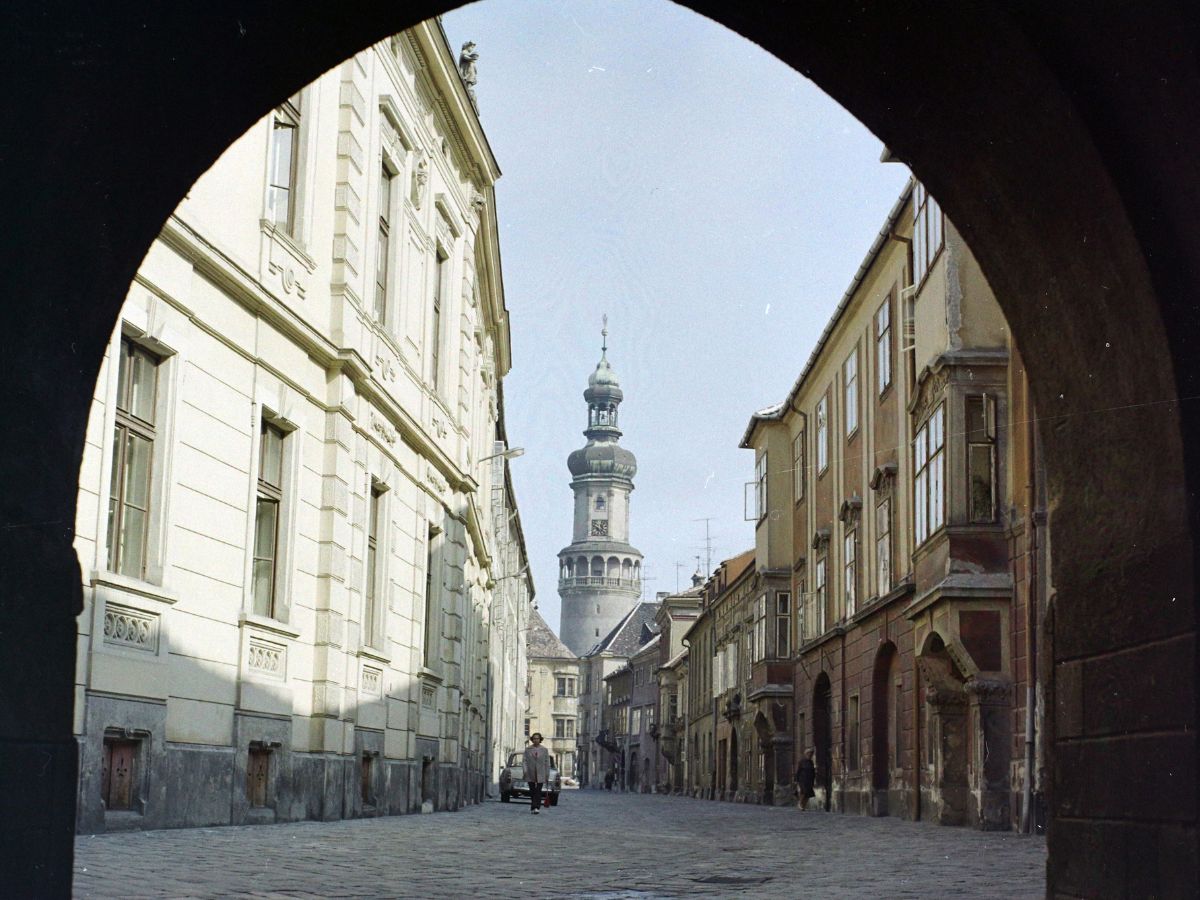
(604, 336)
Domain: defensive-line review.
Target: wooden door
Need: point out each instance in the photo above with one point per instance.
(120, 759)
(257, 772)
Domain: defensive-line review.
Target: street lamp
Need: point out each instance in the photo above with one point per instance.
(510, 453)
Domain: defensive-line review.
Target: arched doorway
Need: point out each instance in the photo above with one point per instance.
(944, 754)
(823, 737)
(766, 744)
(1055, 139)
(885, 720)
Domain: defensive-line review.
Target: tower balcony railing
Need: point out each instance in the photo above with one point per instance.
(633, 584)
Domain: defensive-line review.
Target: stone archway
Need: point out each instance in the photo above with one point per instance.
(944, 755)
(1035, 127)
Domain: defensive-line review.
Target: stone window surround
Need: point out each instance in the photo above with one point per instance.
(143, 328)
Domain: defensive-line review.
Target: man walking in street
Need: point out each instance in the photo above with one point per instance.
(536, 770)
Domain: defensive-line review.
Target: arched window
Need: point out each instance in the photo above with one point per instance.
(627, 569)
(597, 567)
(614, 567)
(600, 501)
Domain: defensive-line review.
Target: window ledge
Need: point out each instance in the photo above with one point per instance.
(125, 584)
(274, 626)
(289, 243)
(378, 656)
(427, 674)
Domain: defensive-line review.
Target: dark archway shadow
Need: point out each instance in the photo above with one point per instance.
(822, 707)
(1058, 141)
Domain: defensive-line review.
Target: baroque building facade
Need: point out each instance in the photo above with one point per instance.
(600, 573)
(899, 489)
(552, 693)
(305, 584)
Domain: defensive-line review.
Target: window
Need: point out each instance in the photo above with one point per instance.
(435, 346)
(560, 728)
(760, 486)
(371, 607)
(883, 546)
(564, 686)
(852, 736)
(133, 455)
(822, 434)
(819, 595)
(758, 638)
(850, 383)
(883, 346)
(383, 245)
(527, 727)
(850, 570)
(783, 625)
(927, 232)
(636, 722)
(981, 458)
(266, 518)
(284, 169)
(599, 503)
(433, 605)
(798, 467)
(928, 486)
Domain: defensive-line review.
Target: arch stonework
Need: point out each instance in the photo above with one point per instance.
(1051, 140)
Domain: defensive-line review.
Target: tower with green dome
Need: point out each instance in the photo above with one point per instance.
(600, 572)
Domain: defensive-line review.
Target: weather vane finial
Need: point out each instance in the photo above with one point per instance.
(604, 334)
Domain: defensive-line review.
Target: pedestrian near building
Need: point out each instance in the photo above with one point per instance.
(536, 770)
(806, 778)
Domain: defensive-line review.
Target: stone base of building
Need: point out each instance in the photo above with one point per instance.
(184, 785)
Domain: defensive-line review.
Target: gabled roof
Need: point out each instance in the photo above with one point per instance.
(648, 645)
(630, 633)
(540, 641)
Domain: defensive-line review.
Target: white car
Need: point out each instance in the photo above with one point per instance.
(513, 784)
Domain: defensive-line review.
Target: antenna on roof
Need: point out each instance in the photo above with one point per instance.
(707, 546)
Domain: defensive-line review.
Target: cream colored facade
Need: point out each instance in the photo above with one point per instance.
(304, 582)
(553, 707)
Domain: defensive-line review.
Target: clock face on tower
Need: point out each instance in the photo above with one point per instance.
(599, 527)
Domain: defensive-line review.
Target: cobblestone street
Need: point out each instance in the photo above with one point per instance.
(593, 845)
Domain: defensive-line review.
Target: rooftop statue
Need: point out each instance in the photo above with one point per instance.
(466, 68)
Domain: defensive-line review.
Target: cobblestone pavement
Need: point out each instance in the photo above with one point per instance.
(593, 845)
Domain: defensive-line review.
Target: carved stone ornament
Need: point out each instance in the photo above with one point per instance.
(850, 510)
(436, 481)
(990, 690)
(420, 180)
(467, 69)
(929, 393)
(944, 695)
(381, 427)
(439, 425)
(883, 477)
(820, 538)
(386, 367)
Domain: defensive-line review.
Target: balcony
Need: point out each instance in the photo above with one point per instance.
(590, 581)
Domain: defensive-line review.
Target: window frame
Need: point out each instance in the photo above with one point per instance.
(760, 486)
(440, 266)
(386, 199)
(929, 483)
(288, 115)
(988, 442)
(883, 346)
(883, 545)
(850, 571)
(798, 467)
(271, 494)
(374, 590)
(929, 232)
(822, 449)
(783, 624)
(850, 392)
(128, 426)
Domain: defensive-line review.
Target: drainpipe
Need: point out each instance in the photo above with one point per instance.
(1031, 623)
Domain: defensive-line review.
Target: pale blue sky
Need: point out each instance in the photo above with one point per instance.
(712, 201)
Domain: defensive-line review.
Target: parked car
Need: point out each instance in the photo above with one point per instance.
(513, 783)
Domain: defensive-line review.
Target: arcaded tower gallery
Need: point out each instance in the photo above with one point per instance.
(600, 574)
